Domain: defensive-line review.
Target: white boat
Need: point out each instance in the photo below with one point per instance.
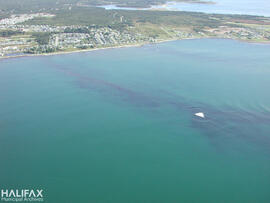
(200, 114)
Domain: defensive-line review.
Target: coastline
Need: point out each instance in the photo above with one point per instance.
(124, 46)
(87, 50)
(70, 52)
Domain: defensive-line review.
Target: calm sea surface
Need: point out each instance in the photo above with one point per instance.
(118, 125)
(250, 7)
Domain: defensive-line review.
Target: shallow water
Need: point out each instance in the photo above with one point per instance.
(118, 125)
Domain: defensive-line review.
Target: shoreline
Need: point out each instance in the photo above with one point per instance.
(70, 52)
(124, 46)
(86, 50)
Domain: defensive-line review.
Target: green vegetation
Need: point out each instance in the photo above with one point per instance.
(9, 33)
(154, 24)
(79, 16)
(42, 38)
(41, 49)
(18, 6)
(76, 30)
(120, 19)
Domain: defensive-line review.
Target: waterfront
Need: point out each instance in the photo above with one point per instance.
(118, 125)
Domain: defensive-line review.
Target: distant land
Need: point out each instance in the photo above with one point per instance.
(146, 4)
(42, 27)
(35, 5)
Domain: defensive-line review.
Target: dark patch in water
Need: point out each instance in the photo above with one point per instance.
(229, 126)
(226, 129)
(126, 94)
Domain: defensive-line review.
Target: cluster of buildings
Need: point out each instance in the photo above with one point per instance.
(11, 45)
(14, 19)
(240, 33)
(61, 38)
(32, 28)
(94, 38)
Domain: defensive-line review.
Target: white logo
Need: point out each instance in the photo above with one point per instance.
(21, 195)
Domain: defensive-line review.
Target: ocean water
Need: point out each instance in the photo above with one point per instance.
(248, 7)
(118, 125)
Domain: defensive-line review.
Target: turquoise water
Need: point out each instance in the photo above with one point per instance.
(118, 125)
(249, 7)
